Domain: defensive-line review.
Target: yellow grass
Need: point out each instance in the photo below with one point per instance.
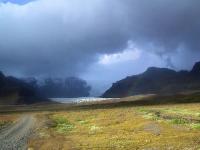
(118, 128)
(6, 120)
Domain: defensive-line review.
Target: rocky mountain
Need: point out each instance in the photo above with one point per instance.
(196, 69)
(70, 87)
(156, 80)
(28, 91)
(15, 91)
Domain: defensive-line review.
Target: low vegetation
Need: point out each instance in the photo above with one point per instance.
(6, 120)
(3, 124)
(189, 117)
(143, 127)
(62, 125)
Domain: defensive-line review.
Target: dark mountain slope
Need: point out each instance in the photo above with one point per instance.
(15, 91)
(70, 87)
(156, 80)
(196, 69)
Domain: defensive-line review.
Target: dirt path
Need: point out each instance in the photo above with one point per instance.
(15, 137)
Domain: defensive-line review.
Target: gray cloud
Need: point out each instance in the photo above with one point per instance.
(64, 37)
(167, 24)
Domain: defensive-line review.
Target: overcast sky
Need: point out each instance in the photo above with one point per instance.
(99, 40)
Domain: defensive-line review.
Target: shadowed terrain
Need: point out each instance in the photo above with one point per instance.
(157, 81)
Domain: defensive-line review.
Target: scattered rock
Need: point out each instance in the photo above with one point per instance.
(153, 128)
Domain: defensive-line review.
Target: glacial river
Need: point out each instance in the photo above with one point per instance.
(79, 100)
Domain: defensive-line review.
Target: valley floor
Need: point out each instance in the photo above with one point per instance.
(126, 125)
(170, 127)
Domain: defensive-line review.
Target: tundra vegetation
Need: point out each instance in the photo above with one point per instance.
(6, 120)
(138, 122)
(136, 127)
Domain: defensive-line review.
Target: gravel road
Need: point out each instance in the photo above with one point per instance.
(15, 136)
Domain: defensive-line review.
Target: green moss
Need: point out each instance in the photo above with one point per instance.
(63, 125)
(198, 114)
(82, 122)
(182, 112)
(178, 121)
(149, 114)
(195, 126)
(64, 128)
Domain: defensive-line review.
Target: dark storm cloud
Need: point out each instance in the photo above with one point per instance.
(63, 37)
(166, 24)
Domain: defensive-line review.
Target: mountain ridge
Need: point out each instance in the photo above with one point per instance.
(14, 91)
(156, 80)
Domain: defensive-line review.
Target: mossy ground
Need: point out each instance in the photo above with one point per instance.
(170, 127)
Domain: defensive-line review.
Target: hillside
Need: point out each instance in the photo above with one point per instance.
(29, 90)
(70, 87)
(15, 91)
(156, 81)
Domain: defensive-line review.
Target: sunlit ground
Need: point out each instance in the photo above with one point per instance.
(172, 127)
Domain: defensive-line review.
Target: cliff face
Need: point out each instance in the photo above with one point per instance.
(156, 80)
